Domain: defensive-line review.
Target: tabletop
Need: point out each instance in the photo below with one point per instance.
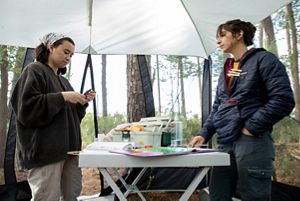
(101, 158)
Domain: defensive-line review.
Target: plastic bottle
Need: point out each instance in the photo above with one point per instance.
(178, 131)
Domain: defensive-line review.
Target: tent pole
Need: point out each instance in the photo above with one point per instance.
(89, 64)
(84, 74)
(94, 100)
(206, 97)
(206, 91)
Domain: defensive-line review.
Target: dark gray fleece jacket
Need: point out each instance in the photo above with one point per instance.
(47, 126)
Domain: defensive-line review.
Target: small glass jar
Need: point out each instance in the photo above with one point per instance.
(126, 136)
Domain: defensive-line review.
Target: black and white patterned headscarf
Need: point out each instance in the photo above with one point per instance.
(51, 38)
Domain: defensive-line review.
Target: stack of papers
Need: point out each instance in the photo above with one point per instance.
(128, 148)
(108, 146)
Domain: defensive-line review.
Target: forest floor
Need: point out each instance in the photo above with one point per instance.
(91, 186)
(287, 163)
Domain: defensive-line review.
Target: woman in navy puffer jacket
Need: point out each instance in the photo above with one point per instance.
(253, 94)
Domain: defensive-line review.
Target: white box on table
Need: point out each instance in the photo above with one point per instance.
(150, 135)
(140, 137)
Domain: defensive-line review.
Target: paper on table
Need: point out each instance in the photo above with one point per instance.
(161, 151)
(110, 146)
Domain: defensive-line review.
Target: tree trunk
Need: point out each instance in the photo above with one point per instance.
(270, 42)
(172, 102)
(181, 76)
(158, 85)
(135, 96)
(177, 101)
(18, 68)
(293, 55)
(3, 101)
(104, 88)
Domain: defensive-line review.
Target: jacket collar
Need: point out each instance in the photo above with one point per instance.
(246, 56)
(250, 53)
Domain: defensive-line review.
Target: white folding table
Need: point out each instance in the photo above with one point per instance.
(105, 159)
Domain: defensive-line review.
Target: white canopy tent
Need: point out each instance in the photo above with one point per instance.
(166, 27)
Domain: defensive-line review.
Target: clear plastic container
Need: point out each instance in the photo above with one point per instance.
(177, 137)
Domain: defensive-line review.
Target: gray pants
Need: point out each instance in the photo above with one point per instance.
(57, 181)
(250, 171)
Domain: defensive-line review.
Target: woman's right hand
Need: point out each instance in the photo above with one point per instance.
(74, 97)
(198, 140)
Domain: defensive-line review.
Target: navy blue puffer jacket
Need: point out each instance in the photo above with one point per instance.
(257, 99)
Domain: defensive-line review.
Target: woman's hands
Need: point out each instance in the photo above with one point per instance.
(198, 140)
(246, 132)
(75, 97)
(90, 95)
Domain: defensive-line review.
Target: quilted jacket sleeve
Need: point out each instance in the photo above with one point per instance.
(280, 100)
(208, 129)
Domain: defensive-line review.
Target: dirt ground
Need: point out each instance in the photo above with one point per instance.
(91, 181)
(288, 170)
(91, 186)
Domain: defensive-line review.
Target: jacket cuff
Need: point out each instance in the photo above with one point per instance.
(253, 131)
(203, 132)
(56, 101)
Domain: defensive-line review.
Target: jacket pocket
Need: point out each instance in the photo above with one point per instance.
(228, 122)
(27, 145)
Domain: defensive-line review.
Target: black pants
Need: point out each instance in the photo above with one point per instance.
(251, 170)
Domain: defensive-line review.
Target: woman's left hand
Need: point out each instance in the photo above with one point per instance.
(246, 132)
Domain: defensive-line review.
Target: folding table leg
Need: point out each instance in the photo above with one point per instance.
(193, 185)
(112, 184)
(132, 187)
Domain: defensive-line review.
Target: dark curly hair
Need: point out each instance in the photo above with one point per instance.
(235, 26)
